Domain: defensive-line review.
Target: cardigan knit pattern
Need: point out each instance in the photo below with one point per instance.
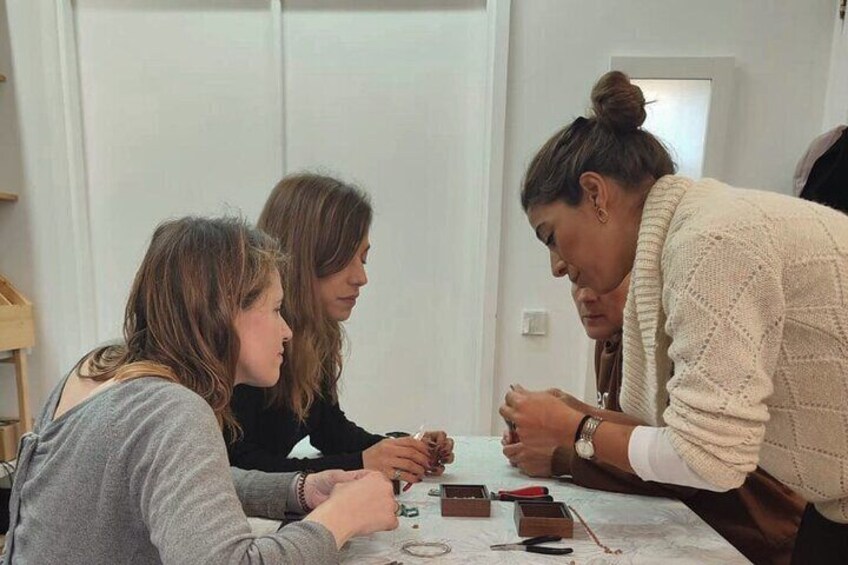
(742, 296)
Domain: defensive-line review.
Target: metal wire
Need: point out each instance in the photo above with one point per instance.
(410, 548)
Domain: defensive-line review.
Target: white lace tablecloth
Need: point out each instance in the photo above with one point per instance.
(645, 529)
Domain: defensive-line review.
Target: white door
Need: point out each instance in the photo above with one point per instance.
(200, 107)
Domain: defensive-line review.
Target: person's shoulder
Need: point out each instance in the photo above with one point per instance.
(153, 410)
(162, 397)
(717, 203)
(716, 214)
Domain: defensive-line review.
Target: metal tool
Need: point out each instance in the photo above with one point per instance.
(534, 492)
(526, 493)
(530, 546)
(418, 435)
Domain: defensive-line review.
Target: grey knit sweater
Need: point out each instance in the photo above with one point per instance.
(139, 474)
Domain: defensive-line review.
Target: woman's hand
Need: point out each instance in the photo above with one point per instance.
(317, 487)
(360, 506)
(408, 455)
(509, 438)
(558, 392)
(441, 451)
(572, 402)
(569, 400)
(542, 420)
(532, 462)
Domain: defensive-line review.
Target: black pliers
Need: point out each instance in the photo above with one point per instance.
(529, 545)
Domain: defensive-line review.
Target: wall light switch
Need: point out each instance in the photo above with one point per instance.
(534, 322)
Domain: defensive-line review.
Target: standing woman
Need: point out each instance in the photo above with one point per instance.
(322, 224)
(741, 295)
(127, 463)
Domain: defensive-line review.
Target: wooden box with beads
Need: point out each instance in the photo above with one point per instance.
(534, 518)
(467, 501)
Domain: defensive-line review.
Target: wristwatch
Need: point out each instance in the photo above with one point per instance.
(583, 446)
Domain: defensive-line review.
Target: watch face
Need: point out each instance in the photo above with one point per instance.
(584, 449)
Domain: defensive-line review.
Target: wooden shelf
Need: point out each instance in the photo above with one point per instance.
(17, 333)
(8, 197)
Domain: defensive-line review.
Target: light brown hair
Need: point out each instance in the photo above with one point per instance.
(320, 222)
(610, 142)
(196, 276)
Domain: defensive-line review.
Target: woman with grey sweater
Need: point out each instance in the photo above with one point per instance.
(127, 463)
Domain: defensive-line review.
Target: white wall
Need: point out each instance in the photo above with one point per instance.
(559, 48)
(13, 217)
(160, 121)
(192, 106)
(188, 123)
(40, 235)
(393, 98)
(836, 101)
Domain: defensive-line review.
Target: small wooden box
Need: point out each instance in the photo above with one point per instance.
(9, 435)
(468, 501)
(17, 330)
(534, 518)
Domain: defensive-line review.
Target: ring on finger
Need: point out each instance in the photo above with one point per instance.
(396, 475)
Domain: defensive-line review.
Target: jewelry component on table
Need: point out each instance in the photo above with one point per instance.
(426, 549)
(407, 511)
(437, 459)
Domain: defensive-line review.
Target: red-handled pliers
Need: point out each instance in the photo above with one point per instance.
(525, 493)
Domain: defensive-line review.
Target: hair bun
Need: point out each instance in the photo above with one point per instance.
(617, 103)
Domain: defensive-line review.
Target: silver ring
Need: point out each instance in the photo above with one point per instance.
(430, 549)
(396, 475)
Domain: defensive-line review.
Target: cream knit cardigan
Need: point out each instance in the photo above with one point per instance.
(743, 295)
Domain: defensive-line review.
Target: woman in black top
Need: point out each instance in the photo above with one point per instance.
(322, 224)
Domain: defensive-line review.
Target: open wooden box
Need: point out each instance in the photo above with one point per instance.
(534, 518)
(469, 501)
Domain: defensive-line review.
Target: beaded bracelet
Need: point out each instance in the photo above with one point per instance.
(301, 493)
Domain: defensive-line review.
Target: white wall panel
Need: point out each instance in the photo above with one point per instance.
(392, 97)
(181, 109)
(181, 115)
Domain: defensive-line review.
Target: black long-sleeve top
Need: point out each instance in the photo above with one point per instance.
(269, 435)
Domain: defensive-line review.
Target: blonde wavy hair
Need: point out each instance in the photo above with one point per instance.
(196, 276)
(319, 222)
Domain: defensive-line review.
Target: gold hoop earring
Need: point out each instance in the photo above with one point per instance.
(603, 215)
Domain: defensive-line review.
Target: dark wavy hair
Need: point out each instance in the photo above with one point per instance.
(610, 142)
